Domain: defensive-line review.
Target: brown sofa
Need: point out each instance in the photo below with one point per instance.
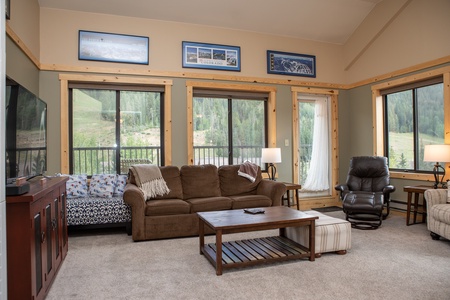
(193, 189)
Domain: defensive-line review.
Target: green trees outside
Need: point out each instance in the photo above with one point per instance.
(212, 119)
(414, 115)
(95, 123)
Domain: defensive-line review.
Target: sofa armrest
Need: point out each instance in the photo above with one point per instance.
(435, 196)
(272, 189)
(134, 197)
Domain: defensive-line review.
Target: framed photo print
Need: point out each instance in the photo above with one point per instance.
(285, 63)
(211, 56)
(111, 47)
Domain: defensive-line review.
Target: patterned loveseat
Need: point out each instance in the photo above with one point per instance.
(98, 203)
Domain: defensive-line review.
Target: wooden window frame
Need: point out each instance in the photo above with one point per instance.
(271, 109)
(65, 79)
(379, 119)
(334, 151)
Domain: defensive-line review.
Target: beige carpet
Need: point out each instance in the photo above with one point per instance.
(394, 262)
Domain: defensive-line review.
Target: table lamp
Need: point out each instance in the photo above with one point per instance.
(271, 156)
(437, 153)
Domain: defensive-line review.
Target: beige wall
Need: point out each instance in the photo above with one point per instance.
(25, 23)
(20, 68)
(397, 34)
(59, 44)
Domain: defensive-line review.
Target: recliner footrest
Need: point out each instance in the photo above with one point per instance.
(363, 209)
(363, 202)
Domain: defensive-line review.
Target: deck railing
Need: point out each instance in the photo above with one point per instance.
(102, 160)
(218, 155)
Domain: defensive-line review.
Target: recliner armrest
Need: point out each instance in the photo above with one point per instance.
(343, 189)
(388, 189)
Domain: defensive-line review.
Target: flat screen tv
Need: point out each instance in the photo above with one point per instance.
(26, 133)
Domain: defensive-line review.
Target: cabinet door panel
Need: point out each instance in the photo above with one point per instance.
(38, 236)
(63, 218)
(57, 228)
(48, 238)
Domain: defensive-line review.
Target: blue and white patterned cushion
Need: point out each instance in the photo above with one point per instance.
(102, 185)
(76, 186)
(120, 185)
(97, 210)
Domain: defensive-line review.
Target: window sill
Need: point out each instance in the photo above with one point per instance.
(412, 176)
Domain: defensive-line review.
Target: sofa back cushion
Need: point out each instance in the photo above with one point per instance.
(200, 181)
(171, 175)
(232, 184)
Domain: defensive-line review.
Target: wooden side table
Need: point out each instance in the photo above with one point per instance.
(417, 191)
(292, 187)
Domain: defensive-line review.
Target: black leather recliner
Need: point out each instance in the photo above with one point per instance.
(366, 192)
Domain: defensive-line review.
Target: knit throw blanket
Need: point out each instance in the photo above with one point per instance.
(248, 170)
(149, 180)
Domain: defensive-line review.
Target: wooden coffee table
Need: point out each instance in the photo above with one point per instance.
(224, 255)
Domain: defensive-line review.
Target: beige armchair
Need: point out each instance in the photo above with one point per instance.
(438, 213)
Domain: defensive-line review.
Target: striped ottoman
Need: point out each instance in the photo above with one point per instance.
(332, 234)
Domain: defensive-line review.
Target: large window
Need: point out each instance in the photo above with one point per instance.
(112, 127)
(229, 123)
(414, 116)
(229, 128)
(409, 113)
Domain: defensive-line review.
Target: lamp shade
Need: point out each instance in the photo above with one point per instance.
(271, 155)
(437, 153)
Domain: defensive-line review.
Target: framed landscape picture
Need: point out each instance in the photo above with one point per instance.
(285, 63)
(211, 56)
(111, 47)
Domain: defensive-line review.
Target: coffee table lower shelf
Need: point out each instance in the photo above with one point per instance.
(242, 253)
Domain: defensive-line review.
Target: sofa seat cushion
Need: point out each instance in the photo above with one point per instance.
(232, 184)
(249, 201)
(209, 204)
(441, 213)
(200, 181)
(97, 210)
(166, 207)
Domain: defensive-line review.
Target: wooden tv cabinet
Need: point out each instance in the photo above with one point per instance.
(36, 227)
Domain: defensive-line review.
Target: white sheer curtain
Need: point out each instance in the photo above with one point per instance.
(318, 175)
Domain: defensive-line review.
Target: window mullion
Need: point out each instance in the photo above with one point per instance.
(118, 117)
(71, 155)
(230, 131)
(415, 129)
